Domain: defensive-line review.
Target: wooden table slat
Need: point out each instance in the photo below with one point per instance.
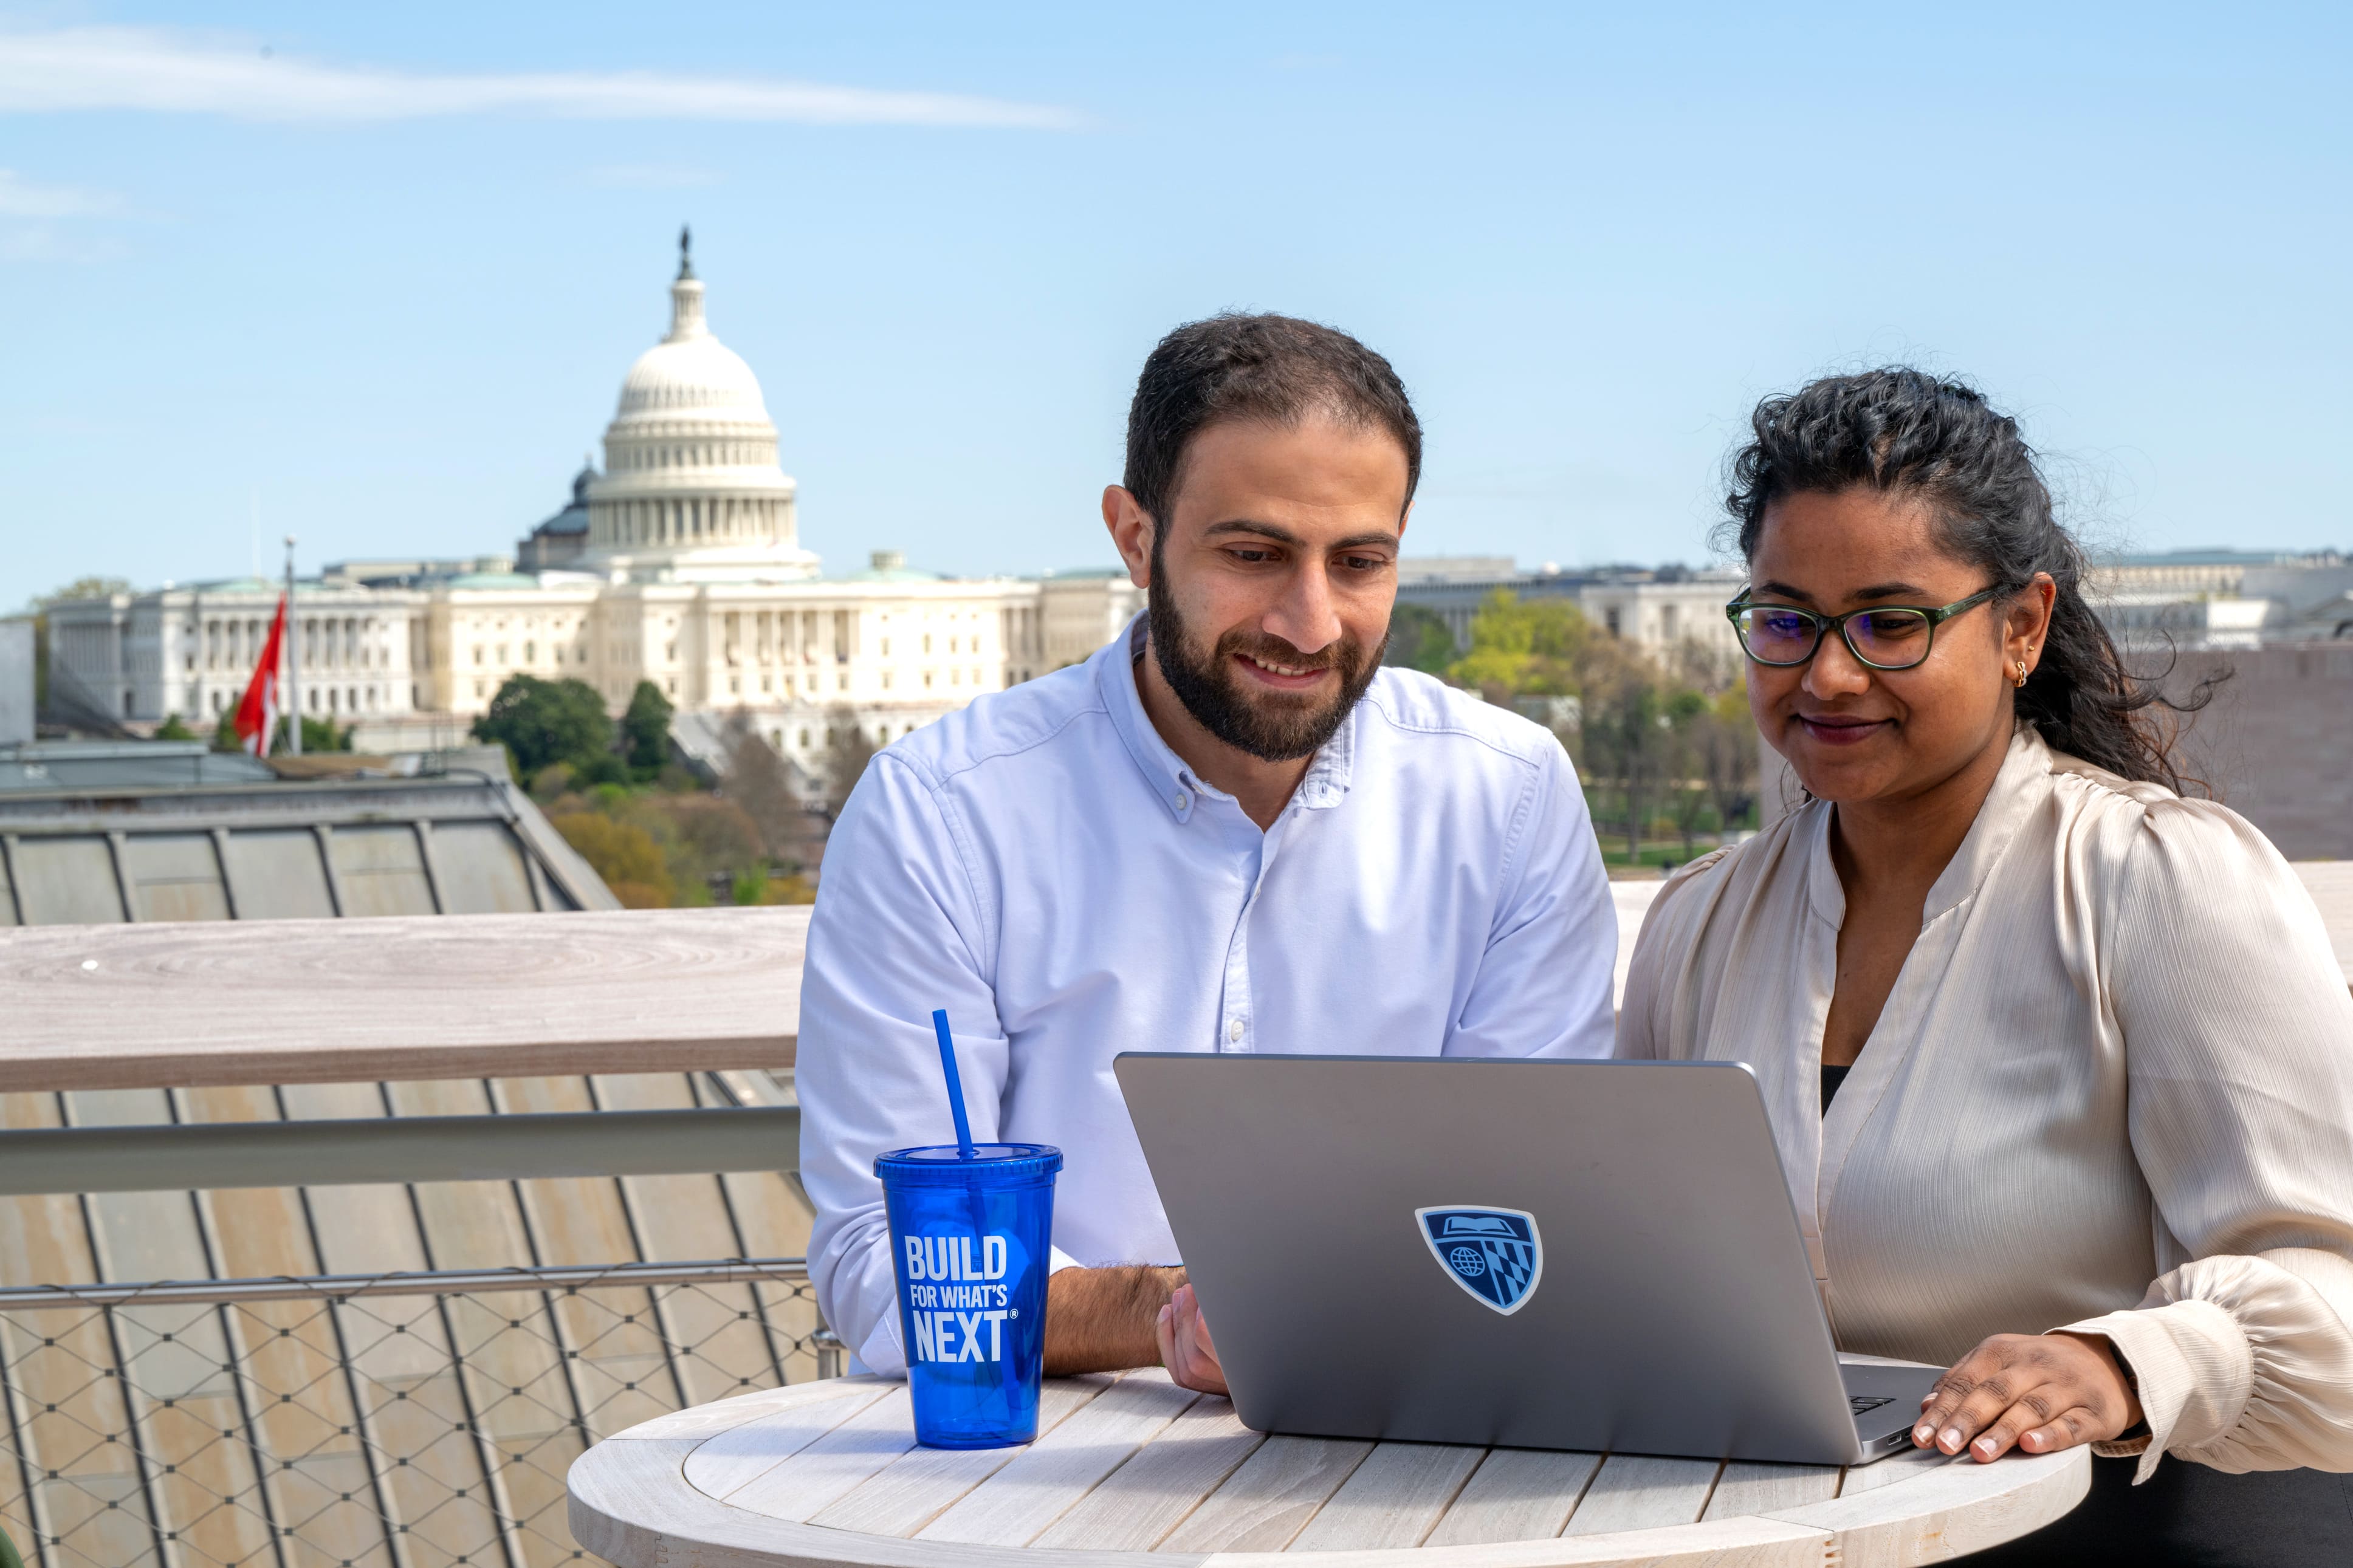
(833, 1466)
(921, 1484)
(1394, 1499)
(744, 1454)
(1269, 1500)
(701, 1421)
(1891, 1470)
(1745, 1489)
(1019, 1501)
(1139, 1503)
(1641, 1491)
(1516, 1494)
(1127, 1463)
(1945, 1510)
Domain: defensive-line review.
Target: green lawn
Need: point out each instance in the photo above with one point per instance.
(1659, 852)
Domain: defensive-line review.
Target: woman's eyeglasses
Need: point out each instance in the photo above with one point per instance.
(1885, 636)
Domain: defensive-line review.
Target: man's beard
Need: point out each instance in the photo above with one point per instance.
(1273, 726)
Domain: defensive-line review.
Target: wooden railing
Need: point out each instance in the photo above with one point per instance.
(447, 996)
(283, 1002)
(336, 1001)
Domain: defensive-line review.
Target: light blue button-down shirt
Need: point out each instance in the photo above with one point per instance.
(1046, 868)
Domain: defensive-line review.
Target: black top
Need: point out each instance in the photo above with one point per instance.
(1831, 1077)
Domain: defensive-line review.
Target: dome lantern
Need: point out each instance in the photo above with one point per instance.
(686, 295)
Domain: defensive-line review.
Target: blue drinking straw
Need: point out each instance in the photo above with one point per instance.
(955, 1084)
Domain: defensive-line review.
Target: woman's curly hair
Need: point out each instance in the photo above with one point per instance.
(1910, 435)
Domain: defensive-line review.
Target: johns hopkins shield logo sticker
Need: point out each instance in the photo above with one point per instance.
(1494, 1254)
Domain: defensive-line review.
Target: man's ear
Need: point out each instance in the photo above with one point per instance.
(1130, 532)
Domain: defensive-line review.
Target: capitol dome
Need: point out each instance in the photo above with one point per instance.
(691, 489)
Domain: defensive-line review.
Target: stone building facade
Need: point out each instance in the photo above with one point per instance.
(679, 563)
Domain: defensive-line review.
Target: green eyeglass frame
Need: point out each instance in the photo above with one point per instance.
(1739, 611)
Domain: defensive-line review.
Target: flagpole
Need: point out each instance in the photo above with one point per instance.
(293, 695)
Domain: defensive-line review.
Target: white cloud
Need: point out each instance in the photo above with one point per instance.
(168, 72)
(21, 198)
(40, 242)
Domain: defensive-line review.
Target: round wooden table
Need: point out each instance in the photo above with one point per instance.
(1131, 1470)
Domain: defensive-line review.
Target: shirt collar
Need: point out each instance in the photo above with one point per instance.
(2023, 783)
(1328, 772)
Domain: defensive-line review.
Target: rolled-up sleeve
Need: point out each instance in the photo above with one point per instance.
(898, 931)
(1545, 983)
(2239, 1043)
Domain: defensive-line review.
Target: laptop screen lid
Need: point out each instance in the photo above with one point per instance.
(1592, 1255)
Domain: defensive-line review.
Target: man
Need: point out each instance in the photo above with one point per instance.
(1230, 830)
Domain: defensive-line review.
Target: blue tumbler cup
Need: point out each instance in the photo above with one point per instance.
(970, 1235)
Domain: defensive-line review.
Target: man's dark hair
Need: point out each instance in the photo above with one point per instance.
(1272, 370)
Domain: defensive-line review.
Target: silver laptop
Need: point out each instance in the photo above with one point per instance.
(1581, 1255)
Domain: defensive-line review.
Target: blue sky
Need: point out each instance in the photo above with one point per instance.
(380, 284)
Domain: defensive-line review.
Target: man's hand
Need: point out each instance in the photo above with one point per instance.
(1185, 1347)
(2041, 1392)
(1100, 1320)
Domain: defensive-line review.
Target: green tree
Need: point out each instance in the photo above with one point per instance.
(543, 721)
(1691, 721)
(1527, 647)
(1419, 640)
(1628, 735)
(756, 779)
(623, 854)
(318, 735)
(846, 753)
(705, 839)
(84, 588)
(645, 731)
(1728, 758)
(171, 729)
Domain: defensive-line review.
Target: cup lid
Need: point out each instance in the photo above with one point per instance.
(945, 1165)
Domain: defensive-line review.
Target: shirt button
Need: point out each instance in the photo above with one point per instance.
(1183, 800)
(1234, 1029)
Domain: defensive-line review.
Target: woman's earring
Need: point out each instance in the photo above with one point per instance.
(2022, 674)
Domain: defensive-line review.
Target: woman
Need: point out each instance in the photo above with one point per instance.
(2060, 1063)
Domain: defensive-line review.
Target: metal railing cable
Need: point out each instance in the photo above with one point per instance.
(406, 1420)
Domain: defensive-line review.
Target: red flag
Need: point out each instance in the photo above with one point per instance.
(257, 713)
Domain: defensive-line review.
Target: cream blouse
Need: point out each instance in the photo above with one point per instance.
(2111, 1091)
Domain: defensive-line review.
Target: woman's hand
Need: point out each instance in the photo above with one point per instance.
(1185, 1347)
(2041, 1391)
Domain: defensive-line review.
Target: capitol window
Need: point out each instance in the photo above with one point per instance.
(478, 653)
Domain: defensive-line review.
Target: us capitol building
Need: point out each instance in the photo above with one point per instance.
(679, 563)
